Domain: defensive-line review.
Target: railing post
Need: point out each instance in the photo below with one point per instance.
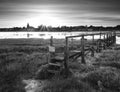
(93, 39)
(92, 53)
(66, 54)
(82, 50)
(107, 40)
(111, 39)
(100, 35)
(100, 43)
(115, 39)
(72, 43)
(104, 46)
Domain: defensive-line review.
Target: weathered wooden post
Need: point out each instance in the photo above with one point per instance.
(51, 41)
(93, 39)
(92, 51)
(110, 38)
(66, 56)
(82, 49)
(100, 35)
(115, 39)
(92, 48)
(100, 43)
(28, 35)
(104, 39)
(51, 49)
(107, 40)
(66, 53)
(72, 43)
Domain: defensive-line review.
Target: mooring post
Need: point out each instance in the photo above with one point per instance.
(82, 49)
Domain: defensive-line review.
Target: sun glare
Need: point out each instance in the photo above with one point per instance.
(45, 19)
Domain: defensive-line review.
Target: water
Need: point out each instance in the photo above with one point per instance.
(46, 35)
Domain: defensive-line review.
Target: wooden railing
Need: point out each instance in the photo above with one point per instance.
(109, 38)
(104, 41)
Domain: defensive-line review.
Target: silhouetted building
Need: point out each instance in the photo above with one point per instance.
(30, 28)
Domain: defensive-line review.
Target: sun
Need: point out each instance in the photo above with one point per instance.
(46, 19)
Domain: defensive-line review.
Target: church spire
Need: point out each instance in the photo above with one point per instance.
(28, 25)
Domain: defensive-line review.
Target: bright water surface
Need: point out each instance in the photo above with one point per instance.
(45, 35)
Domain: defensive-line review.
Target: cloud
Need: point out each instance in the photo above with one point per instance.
(72, 11)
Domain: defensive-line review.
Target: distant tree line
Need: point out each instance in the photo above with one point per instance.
(43, 28)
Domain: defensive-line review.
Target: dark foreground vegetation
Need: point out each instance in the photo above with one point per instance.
(20, 62)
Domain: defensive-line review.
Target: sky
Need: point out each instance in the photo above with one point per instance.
(17, 13)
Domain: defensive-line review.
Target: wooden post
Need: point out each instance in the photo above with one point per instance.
(28, 35)
(104, 42)
(52, 54)
(51, 41)
(92, 51)
(93, 39)
(92, 54)
(100, 35)
(107, 41)
(115, 39)
(82, 49)
(111, 38)
(72, 43)
(100, 43)
(66, 54)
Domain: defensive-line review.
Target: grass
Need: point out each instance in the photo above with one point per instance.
(18, 63)
(109, 77)
(21, 59)
(67, 85)
(109, 58)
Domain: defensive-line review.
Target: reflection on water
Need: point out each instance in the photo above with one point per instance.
(45, 35)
